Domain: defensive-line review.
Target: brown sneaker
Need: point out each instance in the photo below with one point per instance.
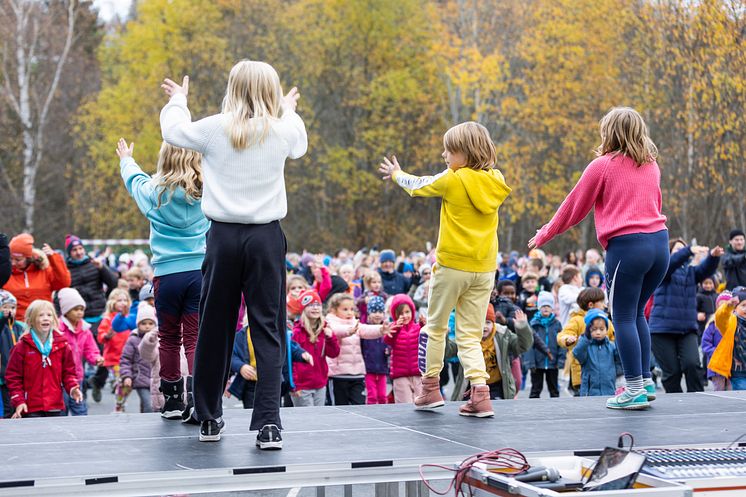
(479, 404)
(430, 398)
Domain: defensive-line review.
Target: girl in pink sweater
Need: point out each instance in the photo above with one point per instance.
(623, 187)
(405, 372)
(347, 370)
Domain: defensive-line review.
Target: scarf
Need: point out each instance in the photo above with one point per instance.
(72, 262)
(44, 348)
(544, 321)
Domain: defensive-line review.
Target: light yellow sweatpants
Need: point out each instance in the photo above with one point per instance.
(469, 293)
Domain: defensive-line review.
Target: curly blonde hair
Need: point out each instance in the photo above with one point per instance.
(178, 168)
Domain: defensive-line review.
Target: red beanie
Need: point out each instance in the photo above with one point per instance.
(490, 313)
(70, 242)
(307, 298)
(22, 245)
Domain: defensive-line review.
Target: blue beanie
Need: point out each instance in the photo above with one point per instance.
(388, 256)
(376, 304)
(408, 267)
(593, 314)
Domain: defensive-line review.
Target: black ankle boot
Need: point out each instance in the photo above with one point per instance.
(188, 415)
(173, 394)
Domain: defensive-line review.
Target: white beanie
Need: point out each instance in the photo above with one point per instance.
(145, 311)
(69, 299)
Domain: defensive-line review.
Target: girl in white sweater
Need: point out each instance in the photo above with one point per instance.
(244, 150)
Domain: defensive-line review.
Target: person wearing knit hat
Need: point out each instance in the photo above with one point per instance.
(72, 242)
(597, 356)
(734, 260)
(710, 340)
(547, 364)
(394, 282)
(729, 357)
(146, 294)
(10, 333)
(135, 371)
(35, 273)
(80, 339)
(375, 354)
(307, 298)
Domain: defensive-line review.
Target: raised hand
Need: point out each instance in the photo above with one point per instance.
(172, 88)
(717, 251)
(520, 316)
(532, 241)
(123, 150)
(290, 101)
(47, 250)
(388, 167)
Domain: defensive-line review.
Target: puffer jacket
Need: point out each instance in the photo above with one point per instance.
(89, 281)
(404, 342)
(537, 358)
(601, 365)
(675, 300)
(394, 283)
(82, 344)
(575, 327)
(710, 341)
(40, 388)
(734, 266)
(38, 281)
(150, 353)
(350, 361)
(132, 364)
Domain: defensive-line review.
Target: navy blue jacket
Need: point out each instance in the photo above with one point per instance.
(675, 300)
(240, 357)
(546, 336)
(394, 283)
(600, 365)
(375, 356)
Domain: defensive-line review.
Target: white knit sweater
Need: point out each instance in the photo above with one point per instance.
(239, 186)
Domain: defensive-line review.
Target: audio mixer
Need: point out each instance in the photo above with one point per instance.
(678, 464)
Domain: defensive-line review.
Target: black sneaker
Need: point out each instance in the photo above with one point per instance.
(188, 415)
(173, 393)
(269, 438)
(211, 429)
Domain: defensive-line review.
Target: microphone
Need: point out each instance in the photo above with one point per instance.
(539, 473)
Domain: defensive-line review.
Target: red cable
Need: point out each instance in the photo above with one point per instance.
(507, 459)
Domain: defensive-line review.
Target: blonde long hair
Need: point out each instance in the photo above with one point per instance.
(314, 327)
(114, 296)
(623, 131)
(253, 92)
(178, 167)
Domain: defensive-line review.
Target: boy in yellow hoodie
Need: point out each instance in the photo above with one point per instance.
(472, 191)
(589, 298)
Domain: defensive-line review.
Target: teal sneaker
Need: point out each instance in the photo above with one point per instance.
(628, 401)
(650, 390)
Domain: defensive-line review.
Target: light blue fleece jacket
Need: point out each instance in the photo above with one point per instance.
(177, 228)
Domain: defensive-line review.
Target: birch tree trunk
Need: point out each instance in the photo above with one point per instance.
(31, 92)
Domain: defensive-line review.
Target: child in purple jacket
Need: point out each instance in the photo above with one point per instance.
(133, 369)
(710, 340)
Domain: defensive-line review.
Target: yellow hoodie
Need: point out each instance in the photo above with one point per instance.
(468, 214)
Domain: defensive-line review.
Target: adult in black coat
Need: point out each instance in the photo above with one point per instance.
(89, 277)
(4, 260)
(734, 260)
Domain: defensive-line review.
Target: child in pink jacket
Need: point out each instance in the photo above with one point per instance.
(79, 337)
(347, 370)
(404, 342)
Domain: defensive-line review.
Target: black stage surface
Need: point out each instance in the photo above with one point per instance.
(131, 449)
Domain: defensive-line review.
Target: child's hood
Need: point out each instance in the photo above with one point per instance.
(487, 190)
(399, 300)
(82, 325)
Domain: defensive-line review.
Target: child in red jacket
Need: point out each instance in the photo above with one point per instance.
(312, 334)
(119, 302)
(404, 342)
(40, 365)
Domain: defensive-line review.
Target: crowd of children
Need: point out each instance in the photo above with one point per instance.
(359, 344)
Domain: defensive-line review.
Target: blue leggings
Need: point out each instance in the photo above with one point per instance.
(635, 266)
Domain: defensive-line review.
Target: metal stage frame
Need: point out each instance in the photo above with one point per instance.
(142, 454)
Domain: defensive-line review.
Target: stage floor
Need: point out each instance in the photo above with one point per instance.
(124, 453)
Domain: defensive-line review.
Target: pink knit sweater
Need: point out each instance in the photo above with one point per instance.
(627, 199)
